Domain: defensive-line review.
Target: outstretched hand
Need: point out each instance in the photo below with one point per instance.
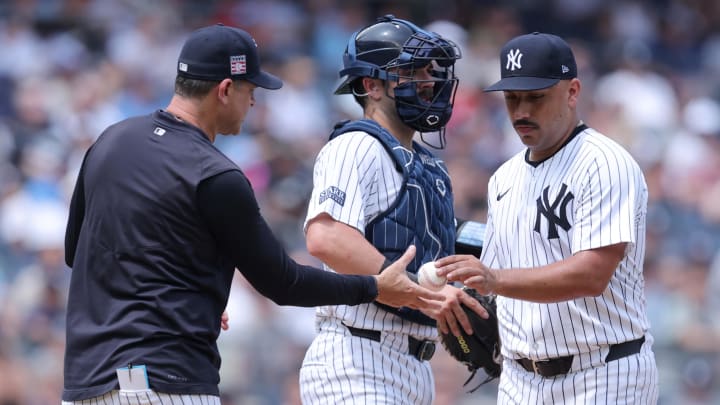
(397, 290)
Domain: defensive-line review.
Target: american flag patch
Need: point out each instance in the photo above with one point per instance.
(238, 66)
(334, 194)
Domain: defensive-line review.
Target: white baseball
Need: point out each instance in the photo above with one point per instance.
(428, 277)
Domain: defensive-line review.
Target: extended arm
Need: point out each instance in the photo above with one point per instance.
(228, 204)
(585, 274)
(345, 249)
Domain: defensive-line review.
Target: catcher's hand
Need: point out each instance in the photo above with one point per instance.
(481, 349)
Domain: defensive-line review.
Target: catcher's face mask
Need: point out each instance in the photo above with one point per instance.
(394, 50)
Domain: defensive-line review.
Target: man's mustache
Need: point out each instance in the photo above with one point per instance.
(524, 123)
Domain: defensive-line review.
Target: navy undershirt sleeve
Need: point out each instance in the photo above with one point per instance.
(227, 202)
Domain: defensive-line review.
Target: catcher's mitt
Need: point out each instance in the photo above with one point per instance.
(482, 348)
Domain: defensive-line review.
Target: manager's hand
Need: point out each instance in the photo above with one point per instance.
(397, 290)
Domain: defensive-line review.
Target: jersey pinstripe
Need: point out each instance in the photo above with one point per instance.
(355, 180)
(358, 165)
(343, 369)
(591, 193)
(149, 397)
(633, 382)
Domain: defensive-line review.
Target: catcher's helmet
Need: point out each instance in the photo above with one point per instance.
(391, 49)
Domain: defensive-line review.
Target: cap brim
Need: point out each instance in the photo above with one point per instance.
(522, 83)
(344, 86)
(265, 80)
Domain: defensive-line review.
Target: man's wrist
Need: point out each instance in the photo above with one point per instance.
(494, 284)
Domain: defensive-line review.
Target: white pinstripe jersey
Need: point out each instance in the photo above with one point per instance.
(147, 397)
(357, 165)
(589, 194)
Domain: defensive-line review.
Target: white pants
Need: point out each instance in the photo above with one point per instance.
(343, 369)
(149, 397)
(631, 380)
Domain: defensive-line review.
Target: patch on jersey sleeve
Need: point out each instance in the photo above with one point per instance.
(334, 194)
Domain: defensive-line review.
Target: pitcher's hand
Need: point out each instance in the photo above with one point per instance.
(468, 270)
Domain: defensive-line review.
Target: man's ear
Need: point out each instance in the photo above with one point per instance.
(372, 87)
(574, 91)
(223, 89)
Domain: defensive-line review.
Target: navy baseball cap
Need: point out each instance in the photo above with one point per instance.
(219, 52)
(533, 62)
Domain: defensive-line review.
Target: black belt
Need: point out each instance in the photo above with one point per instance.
(561, 365)
(421, 349)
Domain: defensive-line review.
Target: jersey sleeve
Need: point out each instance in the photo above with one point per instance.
(612, 202)
(346, 179)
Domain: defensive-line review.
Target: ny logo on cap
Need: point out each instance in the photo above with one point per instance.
(513, 60)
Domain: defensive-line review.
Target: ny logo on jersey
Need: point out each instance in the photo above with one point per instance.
(513, 60)
(556, 216)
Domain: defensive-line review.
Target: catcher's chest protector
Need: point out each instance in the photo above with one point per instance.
(423, 213)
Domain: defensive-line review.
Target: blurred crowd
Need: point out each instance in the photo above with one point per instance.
(69, 68)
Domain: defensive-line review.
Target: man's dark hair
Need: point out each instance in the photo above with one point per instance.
(193, 88)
